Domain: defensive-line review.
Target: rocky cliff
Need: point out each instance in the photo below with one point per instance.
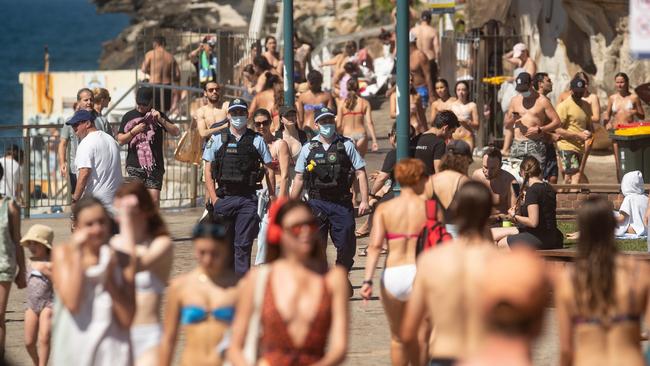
(313, 20)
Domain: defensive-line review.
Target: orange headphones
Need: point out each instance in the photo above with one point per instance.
(274, 232)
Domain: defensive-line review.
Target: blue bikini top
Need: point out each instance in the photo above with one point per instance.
(195, 314)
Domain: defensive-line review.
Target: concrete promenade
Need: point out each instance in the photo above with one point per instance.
(369, 334)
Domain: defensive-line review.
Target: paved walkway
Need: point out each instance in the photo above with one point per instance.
(369, 341)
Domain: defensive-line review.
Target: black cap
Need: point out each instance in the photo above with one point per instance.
(322, 113)
(81, 116)
(237, 103)
(522, 82)
(144, 96)
(578, 84)
(459, 147)
(286, 109)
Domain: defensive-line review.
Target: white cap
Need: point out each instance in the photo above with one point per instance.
(518, 49)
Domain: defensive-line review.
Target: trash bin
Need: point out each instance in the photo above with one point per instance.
(634, 154)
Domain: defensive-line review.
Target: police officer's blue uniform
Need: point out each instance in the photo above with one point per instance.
(237, 168)
(328, 172)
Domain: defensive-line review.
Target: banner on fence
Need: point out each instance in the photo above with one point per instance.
(442, 6)
(640, 28)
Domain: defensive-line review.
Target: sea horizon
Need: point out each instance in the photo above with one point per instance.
(72, 30)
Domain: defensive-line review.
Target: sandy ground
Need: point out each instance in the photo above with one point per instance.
(370, 338)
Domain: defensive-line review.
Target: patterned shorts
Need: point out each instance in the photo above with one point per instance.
(571, 161)
(522, 148)
(154, 180)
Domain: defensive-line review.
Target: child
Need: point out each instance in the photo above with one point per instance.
(39, 293)
(630, 216)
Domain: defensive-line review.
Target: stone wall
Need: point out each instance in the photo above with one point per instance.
(568, 203)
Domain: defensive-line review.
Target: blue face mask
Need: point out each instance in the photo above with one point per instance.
(327, 130)
(526, 94)
(238, 122)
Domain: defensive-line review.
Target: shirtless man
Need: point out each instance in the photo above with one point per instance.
(498, 180)
(162, 68)
(213, 117)
(543, 85)
(520, 58)
(531, 115)
(428, 42)
(419, 68)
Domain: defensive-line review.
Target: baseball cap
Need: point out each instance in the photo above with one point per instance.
(39, 233)
(577, 84)
(518, 49)
(522, 82)
(459, 147)
(80, 116)
(144, 96)
(322, 113)
(237, 103)
(286, 109)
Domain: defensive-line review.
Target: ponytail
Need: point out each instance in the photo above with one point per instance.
(353, 91)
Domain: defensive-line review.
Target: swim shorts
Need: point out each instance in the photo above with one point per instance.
(551, 169)
(571, 161)
(522, 148)
(153, 180)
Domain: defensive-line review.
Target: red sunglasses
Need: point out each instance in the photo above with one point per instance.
(297, 228)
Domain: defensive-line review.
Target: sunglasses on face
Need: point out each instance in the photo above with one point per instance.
(297, 228)
(262, 123)
(212, 90)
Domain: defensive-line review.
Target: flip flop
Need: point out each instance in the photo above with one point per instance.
(360, 235)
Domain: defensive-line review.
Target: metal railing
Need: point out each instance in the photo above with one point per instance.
(35, 180)
(472, 58)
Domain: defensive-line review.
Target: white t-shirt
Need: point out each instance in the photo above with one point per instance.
(99, 152)
(11, 177)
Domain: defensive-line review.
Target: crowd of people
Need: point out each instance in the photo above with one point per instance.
(461, 282)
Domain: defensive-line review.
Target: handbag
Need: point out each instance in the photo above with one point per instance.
(188, 149)
(254, 332)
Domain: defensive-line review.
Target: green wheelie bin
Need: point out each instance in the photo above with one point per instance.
(634, 154)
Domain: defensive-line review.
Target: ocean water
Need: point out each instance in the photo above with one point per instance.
(73, 31)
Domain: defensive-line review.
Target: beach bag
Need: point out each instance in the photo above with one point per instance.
(434, 231)
(254, 333)
(189, 146)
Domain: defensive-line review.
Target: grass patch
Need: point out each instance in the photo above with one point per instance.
(637, 245)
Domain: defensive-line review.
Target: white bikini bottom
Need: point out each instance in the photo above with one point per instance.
(398, 280)
(144, 337)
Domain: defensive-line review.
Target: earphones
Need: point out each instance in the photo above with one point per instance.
(274, 231)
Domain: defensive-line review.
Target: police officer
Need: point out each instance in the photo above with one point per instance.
(327, 165)
(237, 159)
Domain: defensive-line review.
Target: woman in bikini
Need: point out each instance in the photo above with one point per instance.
(312, 100)
(417, 116)
(154, 253)
(398, 222)
(262, 70)
(447, 289)
(353, 113)
(444, 101)
(467, 114)
(443, 186)
(340, 82)
(271, 52)
(270, 98)
(624, 106)
(202, 301)
(600, 301)
(291, 134)
(281, 158)
(304, 312)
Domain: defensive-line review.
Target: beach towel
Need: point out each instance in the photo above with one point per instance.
(142, 141)
(634, 204)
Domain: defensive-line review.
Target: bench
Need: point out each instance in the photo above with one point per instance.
(568, 255)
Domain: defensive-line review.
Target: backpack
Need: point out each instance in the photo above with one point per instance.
(434, 232)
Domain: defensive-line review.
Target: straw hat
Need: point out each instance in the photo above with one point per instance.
(39, 233)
